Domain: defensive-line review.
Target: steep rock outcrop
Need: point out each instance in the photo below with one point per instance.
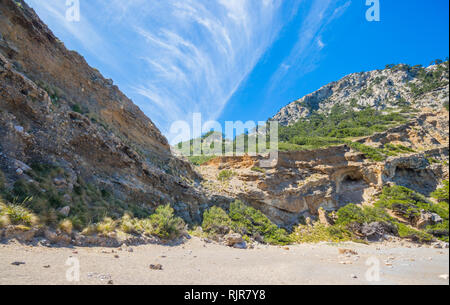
(393, 87)
(55, 109)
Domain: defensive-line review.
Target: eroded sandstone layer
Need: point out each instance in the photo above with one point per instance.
(304, 181)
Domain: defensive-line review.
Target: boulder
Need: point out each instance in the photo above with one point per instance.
(428, 218)
(65, 211)
(242, 245)
(233, 239)
(376, 231)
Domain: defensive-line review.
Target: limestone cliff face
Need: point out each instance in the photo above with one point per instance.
(56, 109)
(392, 87)
(304, 181)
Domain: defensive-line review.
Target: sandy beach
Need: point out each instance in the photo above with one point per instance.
(197, 262)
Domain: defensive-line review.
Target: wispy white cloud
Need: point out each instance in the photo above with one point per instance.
(180, 56)
(306, 51)
(177, 57)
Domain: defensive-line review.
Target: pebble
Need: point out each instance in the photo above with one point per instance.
(156, 267)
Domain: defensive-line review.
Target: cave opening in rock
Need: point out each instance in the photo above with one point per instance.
(422, 181)
(351, 189)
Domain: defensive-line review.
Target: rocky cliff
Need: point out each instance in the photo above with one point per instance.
(329, 178)
(394, 87)
(58, 112)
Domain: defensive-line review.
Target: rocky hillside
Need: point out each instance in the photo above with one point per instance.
(71, 139)
(394, 87)
(304, 181)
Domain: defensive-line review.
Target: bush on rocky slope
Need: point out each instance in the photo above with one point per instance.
(51, 189)
(244, 220)
(343, 123)
(357, 223)
(91, 210)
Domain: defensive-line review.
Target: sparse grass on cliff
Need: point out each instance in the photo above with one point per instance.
(199, 160)
(225, 175)
(163, 224)
(17, 214)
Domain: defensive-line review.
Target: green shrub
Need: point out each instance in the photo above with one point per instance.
(199, 160)
(216, 221)
(258, 169)
(408, 203)
(225, 175)
(442, 194)
(405, 231)
(108, 225)
(77, 108)
(342, 123)
(370, 152)
(16, 214)
(352, 213)
(249, 221)
(320, 233)
(165, 225)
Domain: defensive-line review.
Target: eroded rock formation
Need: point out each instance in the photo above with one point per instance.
(55, 109)
(304, 181)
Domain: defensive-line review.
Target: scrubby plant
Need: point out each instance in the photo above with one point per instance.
(442, 194)
(405, 231)
(66, 226)
(129, 225)
(258, 169)
(341, 124)
(216, 221)
(320, 233)
(252, 222)
(408, 203)
(352, 213)
(108, 225)
(165, 224)
(370, 152)
(225, 175)
(77, 108)
(17, 214)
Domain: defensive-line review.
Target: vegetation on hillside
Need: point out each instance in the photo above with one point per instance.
(245, 220)
(402, 202)
(92, 210)
(343, 123)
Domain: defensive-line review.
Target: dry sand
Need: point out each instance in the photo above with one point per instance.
(197, 262)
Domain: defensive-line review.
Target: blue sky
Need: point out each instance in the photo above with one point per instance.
(242, 59)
